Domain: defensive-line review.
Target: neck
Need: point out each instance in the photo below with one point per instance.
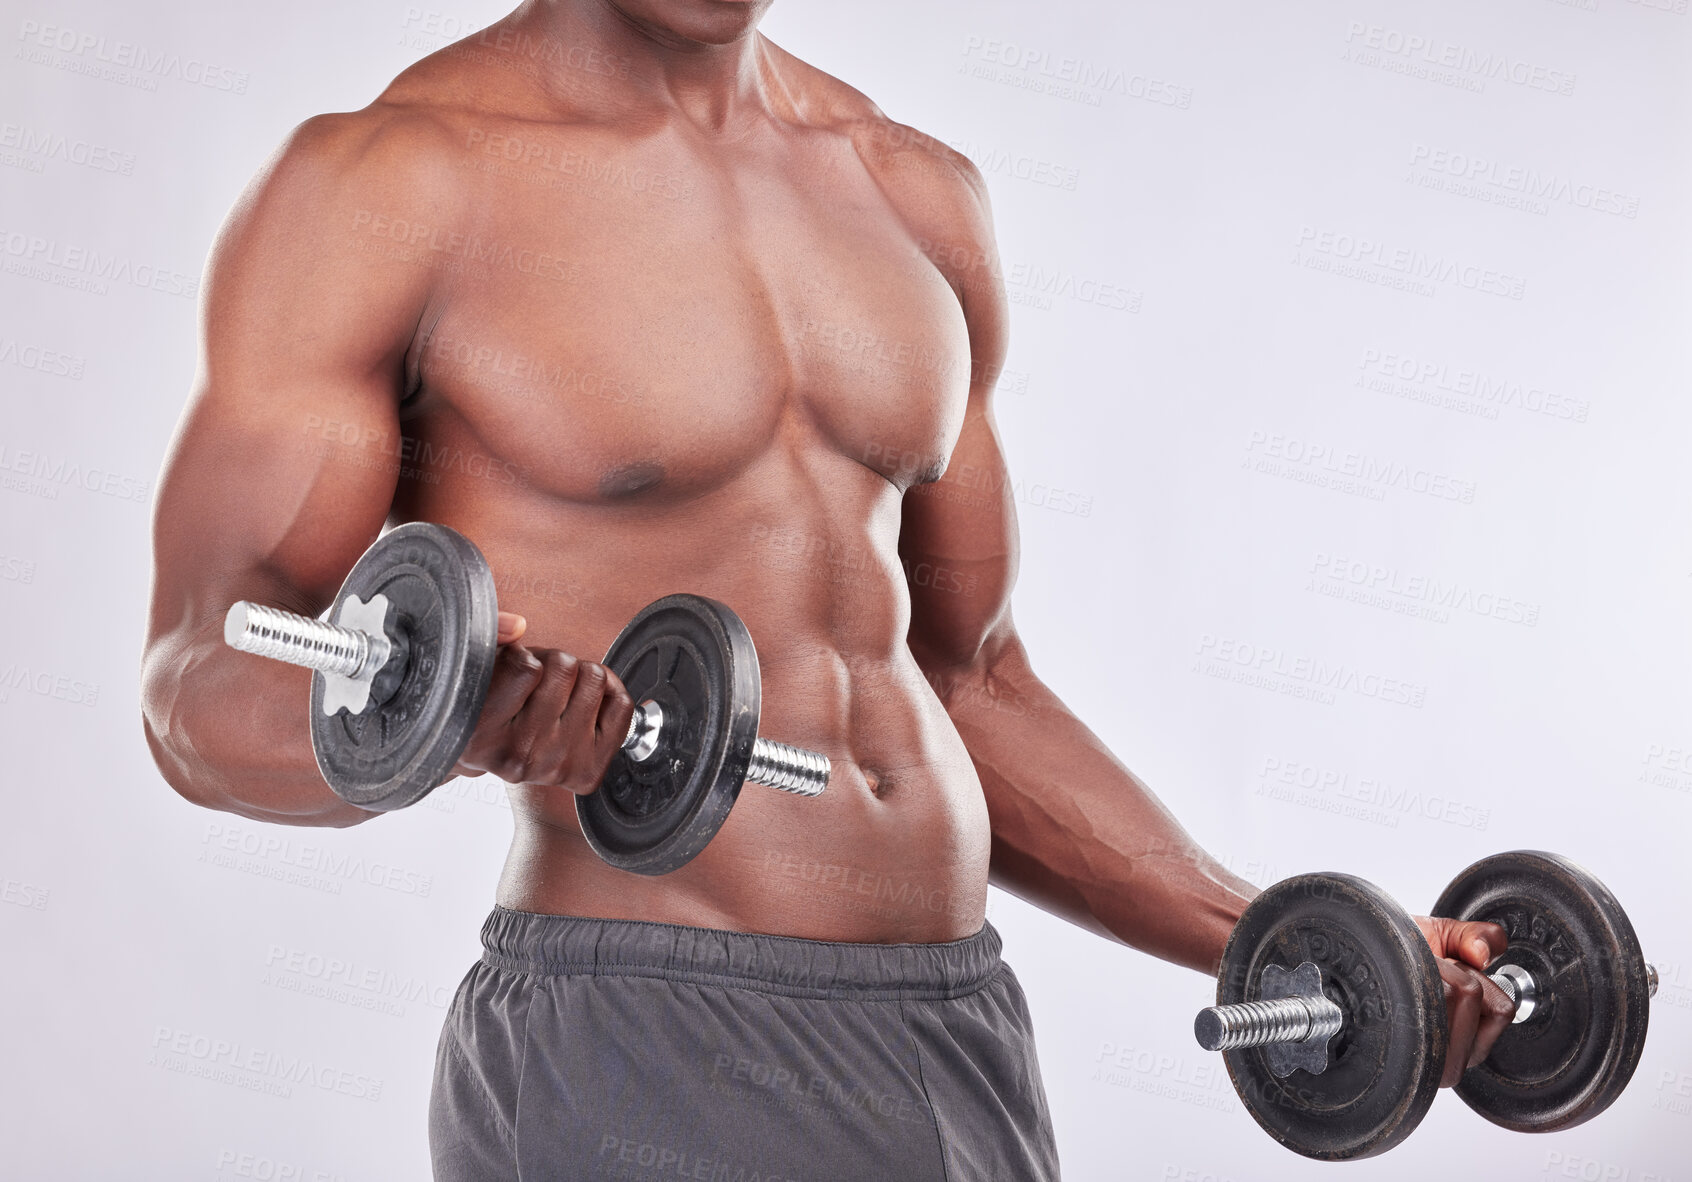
(704, 64)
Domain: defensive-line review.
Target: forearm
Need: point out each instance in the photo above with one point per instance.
(231, 732)
(1077, 833)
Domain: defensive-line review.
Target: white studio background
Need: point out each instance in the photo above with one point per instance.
(1348, 403)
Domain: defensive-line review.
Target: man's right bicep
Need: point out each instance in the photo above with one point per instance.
(286, 460)
(263, 499)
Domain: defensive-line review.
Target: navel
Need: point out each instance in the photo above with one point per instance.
(629, 480)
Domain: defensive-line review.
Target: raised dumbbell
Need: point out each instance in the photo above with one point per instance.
(403, 669)
(1331, 1014)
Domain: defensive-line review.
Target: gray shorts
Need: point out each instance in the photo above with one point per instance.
(592, 1048)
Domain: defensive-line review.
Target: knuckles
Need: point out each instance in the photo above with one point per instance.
(519, 664)
(558, 665)
(1463, 982)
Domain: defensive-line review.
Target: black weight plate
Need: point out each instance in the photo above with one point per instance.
(1385, 1063)
(1572, 1058)
(445, 609)
(694, 657)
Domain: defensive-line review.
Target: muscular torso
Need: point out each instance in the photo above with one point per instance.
(653, 360)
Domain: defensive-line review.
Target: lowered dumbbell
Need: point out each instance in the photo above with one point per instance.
(1331, 1014)
(403, 671)
(1580, 982)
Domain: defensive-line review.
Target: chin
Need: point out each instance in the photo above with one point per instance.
(708, 22)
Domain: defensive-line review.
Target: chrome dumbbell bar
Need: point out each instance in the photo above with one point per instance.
(1311, 1017)
(351, 657)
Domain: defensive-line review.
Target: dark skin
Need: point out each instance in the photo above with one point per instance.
(641, 303)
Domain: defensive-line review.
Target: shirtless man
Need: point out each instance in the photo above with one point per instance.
(641, 303)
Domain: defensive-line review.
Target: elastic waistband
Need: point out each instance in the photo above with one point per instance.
(568, 945)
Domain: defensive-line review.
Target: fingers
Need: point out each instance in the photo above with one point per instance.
(1497, 1014)
(1473, 943)
(599, 702)
(1463, 1014)
(550, 719)
(616, 711)
(1477, 1011)
(575, 733)
(511, 627)
(592, 728)
(517, 671)
(537, 746)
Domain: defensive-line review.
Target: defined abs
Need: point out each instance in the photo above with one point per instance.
(894, 851)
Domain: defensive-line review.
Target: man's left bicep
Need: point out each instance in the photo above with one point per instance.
(958, 546)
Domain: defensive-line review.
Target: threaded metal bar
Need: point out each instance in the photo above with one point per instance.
(298, 640)
(329, 648)
(1294, 1019)
(1258, 1023)
(775, 765)
(791, 769)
